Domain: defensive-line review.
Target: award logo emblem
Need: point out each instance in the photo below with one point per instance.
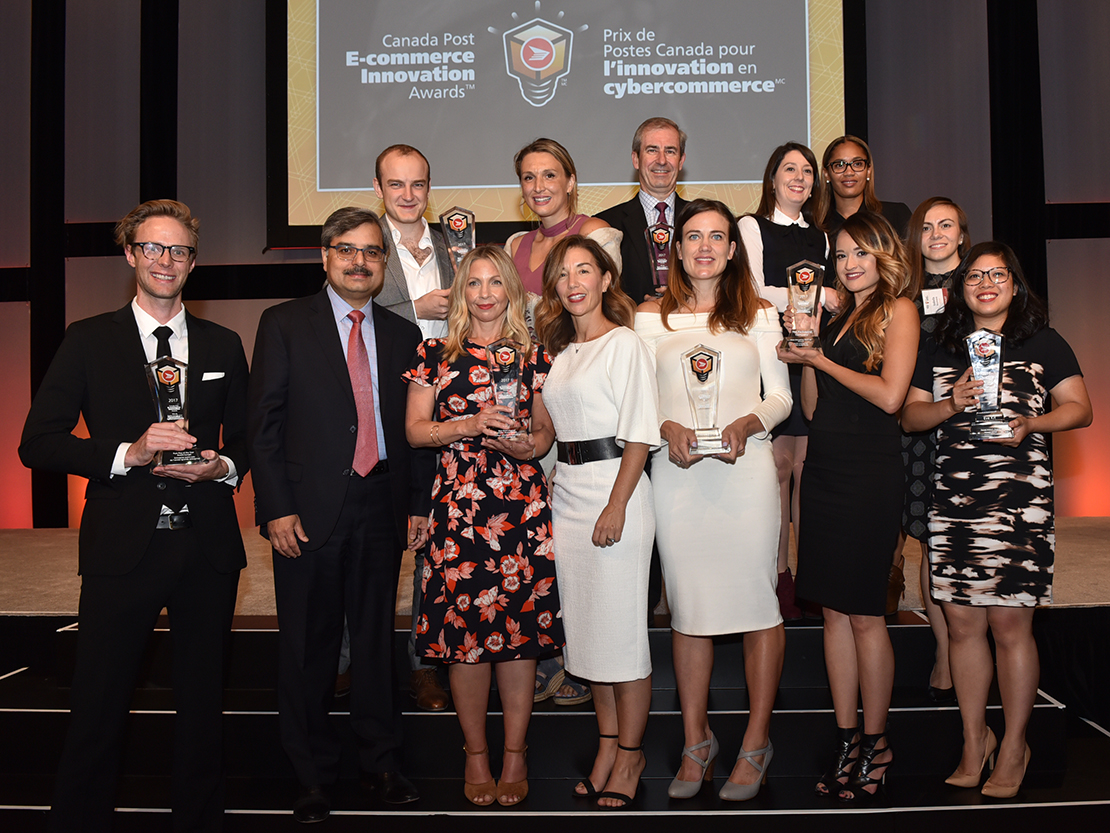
(506, 369)
(984, 351)
(537, 55)
(702, 367)
(168, 378)
(803, 286)
(458, 229)
(659, 248)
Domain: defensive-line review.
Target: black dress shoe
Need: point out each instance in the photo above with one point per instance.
(312, 804)
(391, 787)
(942, 696)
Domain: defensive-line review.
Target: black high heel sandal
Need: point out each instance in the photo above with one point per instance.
(847, 743)
(863, 775)
(627, 799)
(591, 790)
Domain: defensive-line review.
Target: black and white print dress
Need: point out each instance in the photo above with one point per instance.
(992, 532)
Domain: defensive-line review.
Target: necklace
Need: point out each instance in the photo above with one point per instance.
(558, 228)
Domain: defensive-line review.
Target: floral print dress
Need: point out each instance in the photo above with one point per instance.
(489, 572)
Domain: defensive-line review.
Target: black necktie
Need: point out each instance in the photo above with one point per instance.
(163, 334)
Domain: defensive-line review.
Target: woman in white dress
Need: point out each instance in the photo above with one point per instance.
(702, 501)
(602, 398)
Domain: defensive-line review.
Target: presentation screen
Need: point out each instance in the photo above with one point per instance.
(470, 83)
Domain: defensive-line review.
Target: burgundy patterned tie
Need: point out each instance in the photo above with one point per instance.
(662, 209)
(358, 365)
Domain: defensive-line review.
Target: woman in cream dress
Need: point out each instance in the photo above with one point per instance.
(717, 517)
(604, 408)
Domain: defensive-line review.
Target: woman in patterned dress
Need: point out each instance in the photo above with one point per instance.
(490, 601)
(991, 526)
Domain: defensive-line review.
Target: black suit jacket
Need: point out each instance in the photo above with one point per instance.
(303, 421)
(637, 272)
(99, 372)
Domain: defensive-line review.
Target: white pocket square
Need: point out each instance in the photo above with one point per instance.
(208, 377)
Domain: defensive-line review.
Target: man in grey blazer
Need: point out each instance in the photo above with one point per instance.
(417, 281)
(658, 153)
(418, 278)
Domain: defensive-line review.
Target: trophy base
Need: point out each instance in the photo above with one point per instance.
(709, 442)
(188, 457)
(802, 339)
(991, 428)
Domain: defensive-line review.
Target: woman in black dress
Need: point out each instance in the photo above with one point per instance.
(490, 599)
(779, 234)
(937, 238)
(852, 388)
(991, 525)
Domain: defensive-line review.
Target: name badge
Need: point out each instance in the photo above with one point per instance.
(932, 300)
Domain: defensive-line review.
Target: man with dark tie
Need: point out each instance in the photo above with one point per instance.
(338, 492)
(658, 153)
(152, 535)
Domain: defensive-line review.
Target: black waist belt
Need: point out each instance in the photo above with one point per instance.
(178, 520)
(589, 451)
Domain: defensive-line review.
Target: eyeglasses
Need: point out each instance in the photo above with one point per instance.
(857, 164)
(345, 251)
(153, 251)
(998, 276)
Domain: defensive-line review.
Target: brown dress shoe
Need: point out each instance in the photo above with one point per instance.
(429, 694)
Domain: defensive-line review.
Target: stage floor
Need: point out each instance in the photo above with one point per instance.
(38, 571)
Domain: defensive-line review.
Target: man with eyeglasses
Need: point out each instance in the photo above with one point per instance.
(338, 492)
(152, 535)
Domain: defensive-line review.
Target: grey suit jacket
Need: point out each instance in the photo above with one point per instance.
(395, 291)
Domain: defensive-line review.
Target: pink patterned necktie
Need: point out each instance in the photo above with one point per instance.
(358, 365)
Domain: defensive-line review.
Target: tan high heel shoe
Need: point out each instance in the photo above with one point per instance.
(516, 790)
(475, 791)
(992, 790)
(958, 779)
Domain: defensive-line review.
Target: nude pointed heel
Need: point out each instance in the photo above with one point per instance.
(958, 779)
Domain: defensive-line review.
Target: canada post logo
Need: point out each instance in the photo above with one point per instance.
(537, 55)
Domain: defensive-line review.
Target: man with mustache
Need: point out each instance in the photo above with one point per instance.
(658, 154)
(338, 492)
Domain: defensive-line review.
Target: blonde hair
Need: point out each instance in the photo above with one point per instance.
(873, 234)
(458, 316)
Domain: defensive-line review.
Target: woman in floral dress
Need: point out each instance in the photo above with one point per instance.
(490, 601)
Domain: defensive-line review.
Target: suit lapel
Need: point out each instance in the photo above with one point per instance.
(129, 347)
(443, 258)
(322, 322)
(395, 275)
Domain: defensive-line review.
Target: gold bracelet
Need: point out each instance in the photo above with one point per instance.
(433, 433)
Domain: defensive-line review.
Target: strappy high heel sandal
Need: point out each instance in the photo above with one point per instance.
(958, 779)
(591, 790)
(475, 791)
(846, 755)
(864, 772)
(516, 790)
(627, 799)
(688, 789)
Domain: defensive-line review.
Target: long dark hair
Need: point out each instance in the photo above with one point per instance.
(915, 261)
(554, 325)
(873, 234)
(1026, 316)
(737, 299)
(766, 207)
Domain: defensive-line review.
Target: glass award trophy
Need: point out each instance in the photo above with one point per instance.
(168, 378)
(702, 371)
(506, 370)
(659, 248)
(803, 286)
(984, 351)
(457, 225)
